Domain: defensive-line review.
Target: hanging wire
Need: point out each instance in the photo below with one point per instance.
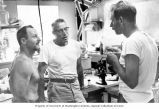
(40, 20)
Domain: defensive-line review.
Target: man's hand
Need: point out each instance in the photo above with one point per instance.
(112, 59)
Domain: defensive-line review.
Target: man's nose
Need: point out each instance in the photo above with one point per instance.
(65, 32)
(39, 39)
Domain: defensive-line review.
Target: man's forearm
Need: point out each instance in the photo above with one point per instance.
(41, 85)
(81, 78)
(122, 74)
(129, 74)
(80, 73)
(41, 89)
(120, 71)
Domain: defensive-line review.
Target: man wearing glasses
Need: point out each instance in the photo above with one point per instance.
(61, 59)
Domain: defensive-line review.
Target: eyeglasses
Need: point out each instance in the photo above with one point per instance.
(62, 29)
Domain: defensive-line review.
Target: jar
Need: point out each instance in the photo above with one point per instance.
(4, 16)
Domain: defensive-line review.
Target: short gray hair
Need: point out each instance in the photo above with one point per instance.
(55, 24)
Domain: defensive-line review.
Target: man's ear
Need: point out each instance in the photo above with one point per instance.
(23, 40)
(121, 20)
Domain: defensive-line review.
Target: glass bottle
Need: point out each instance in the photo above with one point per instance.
(101, 48)
(4, 15)
(89, 82)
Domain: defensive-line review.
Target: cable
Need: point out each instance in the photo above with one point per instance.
(40, 20)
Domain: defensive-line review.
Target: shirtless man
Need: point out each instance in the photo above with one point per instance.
(24, 76)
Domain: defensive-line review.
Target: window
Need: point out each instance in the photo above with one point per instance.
(29, 14)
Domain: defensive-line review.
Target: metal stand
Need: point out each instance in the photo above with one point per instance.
(102, 70)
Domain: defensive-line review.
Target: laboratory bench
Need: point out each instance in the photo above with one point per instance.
(5, 95)
(6, 64)
(94, 92)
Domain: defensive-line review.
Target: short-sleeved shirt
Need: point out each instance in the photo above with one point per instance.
(61, 60)
(145, 48)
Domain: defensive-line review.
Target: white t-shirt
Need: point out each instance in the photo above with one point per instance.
(143, 46)
(61, 61)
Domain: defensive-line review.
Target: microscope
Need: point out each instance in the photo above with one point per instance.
(102, 70)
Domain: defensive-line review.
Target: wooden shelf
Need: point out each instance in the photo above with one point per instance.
(97, 24)
(9, 26)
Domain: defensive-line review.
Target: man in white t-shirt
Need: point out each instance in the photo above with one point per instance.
(137, 65)
(61, 59)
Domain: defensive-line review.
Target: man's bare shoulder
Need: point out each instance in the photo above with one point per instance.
(21, 60)
(22, 64)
